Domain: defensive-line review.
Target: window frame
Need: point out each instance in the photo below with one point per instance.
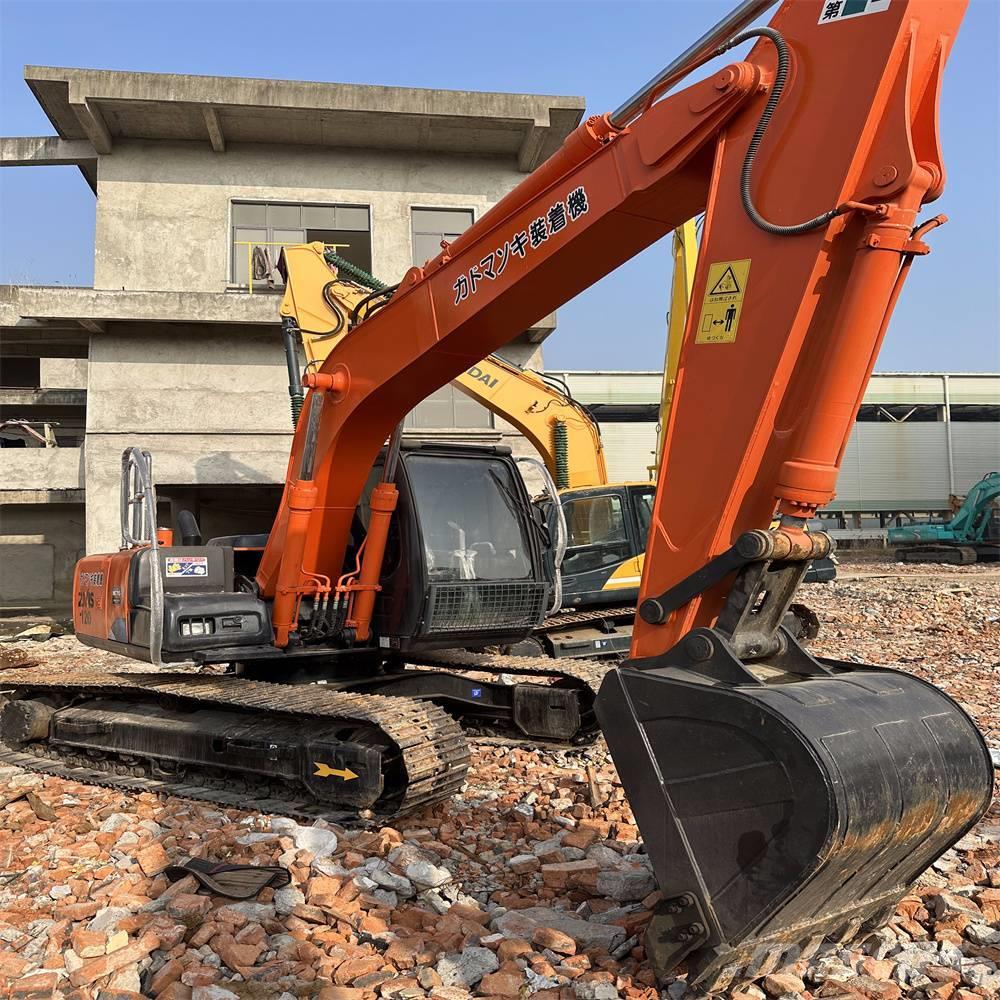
(234, 202)
(435, 208)
(636, 493)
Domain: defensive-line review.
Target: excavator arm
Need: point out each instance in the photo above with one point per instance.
(782, 798)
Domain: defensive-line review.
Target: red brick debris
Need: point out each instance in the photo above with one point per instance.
(521, 886)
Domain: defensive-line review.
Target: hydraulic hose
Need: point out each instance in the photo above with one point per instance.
(356, 311)
(289, 334)
(780, 76)
(187, 526)
(331, 302)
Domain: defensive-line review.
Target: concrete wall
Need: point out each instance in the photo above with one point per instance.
(163, 209)
(39, 544)
(212, 407)
(63, 373)
(210, 404)
(41, 468)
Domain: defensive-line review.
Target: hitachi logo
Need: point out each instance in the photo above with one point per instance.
(92, 579)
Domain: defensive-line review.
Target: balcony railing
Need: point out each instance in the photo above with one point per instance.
(261, 266)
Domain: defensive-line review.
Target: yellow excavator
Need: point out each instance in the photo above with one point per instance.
(605, 524)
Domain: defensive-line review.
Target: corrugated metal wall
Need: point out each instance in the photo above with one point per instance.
(628, 450)
(894, 467)
(904, 466)
(887, 466)
(644, 387)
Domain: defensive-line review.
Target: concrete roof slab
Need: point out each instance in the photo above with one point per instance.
(52, 151)
(171, 106)
(28, 311)
(95, 306)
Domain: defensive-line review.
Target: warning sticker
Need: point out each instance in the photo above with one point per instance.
(723, 304)
(187, 566)
(840, 10)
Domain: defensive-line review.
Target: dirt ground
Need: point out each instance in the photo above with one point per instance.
(532, 881)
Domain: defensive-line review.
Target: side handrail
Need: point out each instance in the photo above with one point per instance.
(138, 525)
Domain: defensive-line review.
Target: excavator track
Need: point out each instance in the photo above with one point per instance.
(424, 754)
(585, 675)
(588, 616)
(586, 633)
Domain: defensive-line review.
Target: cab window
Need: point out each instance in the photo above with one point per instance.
(470, 518)
(597, 532)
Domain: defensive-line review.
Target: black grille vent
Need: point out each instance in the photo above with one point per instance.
(478, 607)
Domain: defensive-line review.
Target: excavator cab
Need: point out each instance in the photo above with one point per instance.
(465, 560)
(606, 530)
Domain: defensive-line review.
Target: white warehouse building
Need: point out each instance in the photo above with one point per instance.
(919, 439)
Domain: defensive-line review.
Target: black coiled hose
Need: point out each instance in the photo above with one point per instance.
(765, 119)
(367, 303)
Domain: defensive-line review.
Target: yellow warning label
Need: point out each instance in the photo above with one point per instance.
(723, 304)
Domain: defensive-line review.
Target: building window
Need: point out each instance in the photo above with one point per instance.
(447, 407)
(260, 228)
(432, 225)
(21, 373)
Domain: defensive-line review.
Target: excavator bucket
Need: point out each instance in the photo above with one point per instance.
(780, 809)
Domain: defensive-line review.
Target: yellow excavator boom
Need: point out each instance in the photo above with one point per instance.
(565, 435)
(685, 253)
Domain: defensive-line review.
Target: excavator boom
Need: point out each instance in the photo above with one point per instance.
(564, 434)
(684, 251)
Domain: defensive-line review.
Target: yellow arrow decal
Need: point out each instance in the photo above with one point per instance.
(325, 771)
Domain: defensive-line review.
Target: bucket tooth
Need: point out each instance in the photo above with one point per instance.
(780, 807)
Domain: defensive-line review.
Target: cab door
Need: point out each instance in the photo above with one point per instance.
(600, 565)
(640, 507)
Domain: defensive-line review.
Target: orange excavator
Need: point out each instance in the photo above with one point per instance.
(782, 797)
(605, 523)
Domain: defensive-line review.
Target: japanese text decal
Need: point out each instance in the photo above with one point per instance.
(522, 243)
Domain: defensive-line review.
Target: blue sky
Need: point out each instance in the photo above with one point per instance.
(949, 315)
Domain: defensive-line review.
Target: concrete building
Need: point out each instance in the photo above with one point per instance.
(176, 347)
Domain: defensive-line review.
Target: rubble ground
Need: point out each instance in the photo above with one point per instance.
(531, 882)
